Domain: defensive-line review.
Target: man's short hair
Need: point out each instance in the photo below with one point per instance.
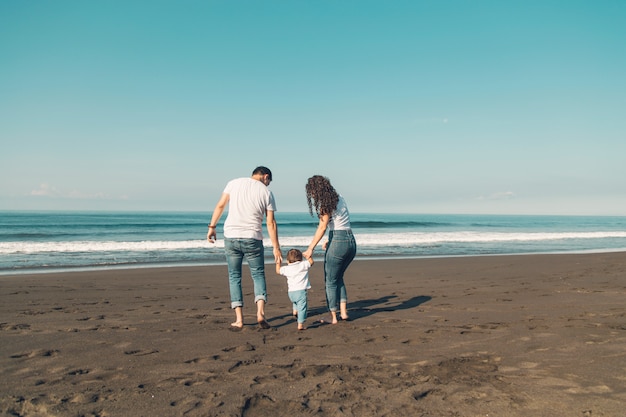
(263, 171)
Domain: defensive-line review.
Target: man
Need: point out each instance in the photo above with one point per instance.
(249, 201)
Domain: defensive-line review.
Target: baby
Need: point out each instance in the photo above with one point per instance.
(297, 273)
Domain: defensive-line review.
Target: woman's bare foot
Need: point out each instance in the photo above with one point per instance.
(238, 325)
(343, 309)
(333, 317)
(301, 326)
(332, 320)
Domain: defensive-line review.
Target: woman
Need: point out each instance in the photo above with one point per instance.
(333, 214)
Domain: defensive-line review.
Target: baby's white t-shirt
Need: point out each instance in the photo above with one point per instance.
(297, 275)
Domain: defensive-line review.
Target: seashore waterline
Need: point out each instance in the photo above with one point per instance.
(32, 242)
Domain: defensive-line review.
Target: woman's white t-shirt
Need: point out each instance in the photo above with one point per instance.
(340, 220)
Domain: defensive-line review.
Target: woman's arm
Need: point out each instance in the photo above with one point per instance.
(319, 234)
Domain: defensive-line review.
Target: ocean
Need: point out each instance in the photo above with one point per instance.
(33, 242)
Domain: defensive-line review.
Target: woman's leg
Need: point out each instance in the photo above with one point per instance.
(340, 252)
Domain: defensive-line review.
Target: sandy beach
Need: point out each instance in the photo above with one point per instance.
(529, 335)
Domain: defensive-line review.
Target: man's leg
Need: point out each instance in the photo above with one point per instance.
(234, 258)
(255, 255)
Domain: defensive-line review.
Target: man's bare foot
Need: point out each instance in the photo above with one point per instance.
(301, 327)
(263, 324)
(236, 325)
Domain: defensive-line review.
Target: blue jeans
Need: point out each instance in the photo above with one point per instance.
(253, 252)
(340, 252)
(298, 298)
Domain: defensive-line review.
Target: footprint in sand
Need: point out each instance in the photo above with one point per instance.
(35, 353)
(140, 352)
(241, 348)
(203, 360)
(20, 327)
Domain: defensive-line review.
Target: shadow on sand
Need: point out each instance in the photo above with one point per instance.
(362, 308)
(365, 308)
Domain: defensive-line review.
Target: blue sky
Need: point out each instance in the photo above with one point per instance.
(408, 106)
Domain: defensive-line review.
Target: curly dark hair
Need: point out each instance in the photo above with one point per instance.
(321, 195)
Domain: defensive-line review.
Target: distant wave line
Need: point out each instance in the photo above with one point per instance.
(406, 239)
(290, 224)
(371, 224)
(24, 236)
(111, 225)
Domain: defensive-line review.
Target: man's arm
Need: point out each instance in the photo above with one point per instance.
(217, 213)
(272, 230)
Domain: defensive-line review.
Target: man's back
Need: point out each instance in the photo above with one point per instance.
(249, 200)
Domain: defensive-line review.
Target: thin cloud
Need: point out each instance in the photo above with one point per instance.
(47, 190)
(502, 195)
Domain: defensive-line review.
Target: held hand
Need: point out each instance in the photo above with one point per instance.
(278, 256)
(307, 253)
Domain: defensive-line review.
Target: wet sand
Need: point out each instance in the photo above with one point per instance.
(529, 335)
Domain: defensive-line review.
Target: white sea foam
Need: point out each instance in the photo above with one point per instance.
(404, 239)
(420, 238)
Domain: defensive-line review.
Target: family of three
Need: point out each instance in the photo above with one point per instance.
(249, 202)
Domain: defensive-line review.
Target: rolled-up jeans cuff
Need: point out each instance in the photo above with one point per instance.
(260, 297)
(236, 304)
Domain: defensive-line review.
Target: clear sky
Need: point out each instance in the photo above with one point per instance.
(407, 106)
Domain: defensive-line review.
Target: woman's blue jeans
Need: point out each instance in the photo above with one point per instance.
(252, 251)
(340, 252)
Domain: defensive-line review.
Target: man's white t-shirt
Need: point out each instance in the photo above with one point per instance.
(297, 275)
(248, 204)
